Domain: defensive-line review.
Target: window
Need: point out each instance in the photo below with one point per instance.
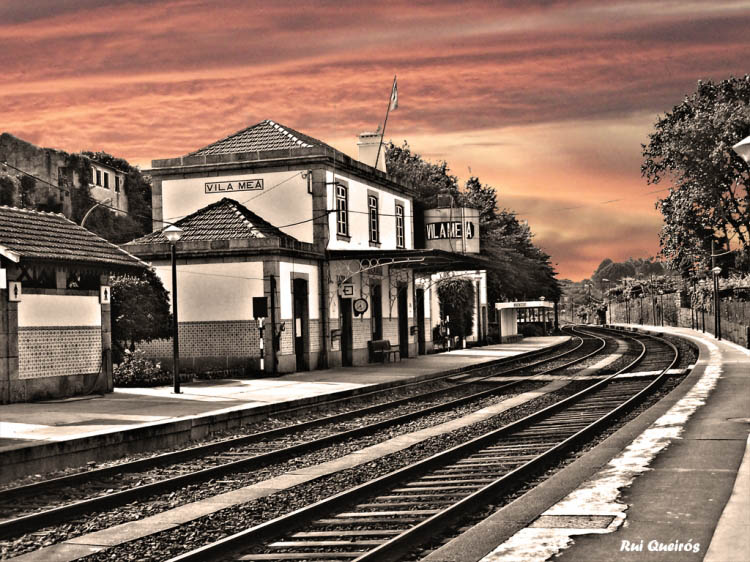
(98, 176)
(372, 206)
(342, 209)
(106, 180)
(400, 237)
(117, 184)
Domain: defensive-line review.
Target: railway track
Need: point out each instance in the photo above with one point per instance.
(387, 517)
(586, 349)
(53, 502)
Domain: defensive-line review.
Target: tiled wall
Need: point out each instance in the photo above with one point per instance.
(59, 351)
(232, 338)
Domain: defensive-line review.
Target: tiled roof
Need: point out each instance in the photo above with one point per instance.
(224, 220)
(266, 135)
(50, 236)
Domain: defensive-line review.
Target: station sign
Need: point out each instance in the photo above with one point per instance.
(234, 185)
(450, 230)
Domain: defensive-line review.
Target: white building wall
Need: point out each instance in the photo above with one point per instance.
(284, 199)
(286, 274)
(36, 311)
(359, 215)
(216, 291)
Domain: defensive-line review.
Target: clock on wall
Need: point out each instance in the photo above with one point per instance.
(360, 306)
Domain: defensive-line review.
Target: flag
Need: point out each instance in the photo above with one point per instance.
(394, 96)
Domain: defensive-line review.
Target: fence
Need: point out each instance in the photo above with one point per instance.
(665, 310)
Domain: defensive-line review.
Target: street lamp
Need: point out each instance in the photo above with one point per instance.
(702, 283)
(661, 306)
(717, 309)
(609, 312)
(173, 234)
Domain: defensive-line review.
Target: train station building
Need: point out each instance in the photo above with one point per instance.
(55, 330)
(333, 243)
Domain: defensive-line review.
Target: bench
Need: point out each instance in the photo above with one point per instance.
(382, 350)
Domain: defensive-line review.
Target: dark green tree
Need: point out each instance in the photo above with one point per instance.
(518, 268)
(140, 311)
(7, 190)
(691, 146)
(456, 298)
(28, 187)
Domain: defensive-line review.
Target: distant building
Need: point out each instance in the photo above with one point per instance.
(55, 330)
(59, 173)
(328, 240)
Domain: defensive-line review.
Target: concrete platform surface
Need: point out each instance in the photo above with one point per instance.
(130, 414)
(671, 485)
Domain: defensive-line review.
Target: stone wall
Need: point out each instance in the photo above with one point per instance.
(735, 316)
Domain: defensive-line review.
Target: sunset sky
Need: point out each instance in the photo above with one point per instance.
(547, 101)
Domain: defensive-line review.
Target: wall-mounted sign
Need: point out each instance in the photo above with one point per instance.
(235, 185)
(346, 290)
(15, 291)
(105, 294)
(450, 229)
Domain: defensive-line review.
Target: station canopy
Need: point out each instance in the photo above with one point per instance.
(420, 260)
(524, 304)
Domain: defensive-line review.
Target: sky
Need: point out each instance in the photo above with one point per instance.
(547, 101)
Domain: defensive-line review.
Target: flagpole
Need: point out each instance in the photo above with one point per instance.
(385, 123)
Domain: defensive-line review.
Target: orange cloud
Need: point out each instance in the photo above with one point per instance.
(548, 101)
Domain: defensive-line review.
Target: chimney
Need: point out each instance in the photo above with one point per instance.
(368, 150)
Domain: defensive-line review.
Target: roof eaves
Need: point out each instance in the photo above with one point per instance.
(15, 257)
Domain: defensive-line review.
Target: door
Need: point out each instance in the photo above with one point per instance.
(403, 321)
(299, 288)
(345, 308)
(376, 296)
(420, 322)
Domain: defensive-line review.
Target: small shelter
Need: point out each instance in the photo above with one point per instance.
(55, 331)
(511, 314)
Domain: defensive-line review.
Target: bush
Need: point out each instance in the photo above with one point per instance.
(136, 370)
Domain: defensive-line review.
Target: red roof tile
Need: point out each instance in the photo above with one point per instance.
(35, 235)
(266, 135)
(224, 220)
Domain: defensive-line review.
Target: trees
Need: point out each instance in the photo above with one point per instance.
(140, 311)
(456, 298)
(709, 199)
(519, 269)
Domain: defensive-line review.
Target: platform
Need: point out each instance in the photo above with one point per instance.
(671, 485)
(42, 436)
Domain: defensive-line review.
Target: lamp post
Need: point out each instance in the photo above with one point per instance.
(608, 317)
(661, 306)
(626, 292)
(702, 283)
(544, 317)
(173, 234)
(717, 308)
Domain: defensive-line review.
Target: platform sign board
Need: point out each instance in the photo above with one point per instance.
(260, 307)
(452, 229)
